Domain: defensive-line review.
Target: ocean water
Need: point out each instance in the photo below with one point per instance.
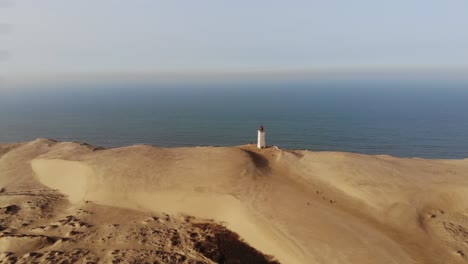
(406, 118)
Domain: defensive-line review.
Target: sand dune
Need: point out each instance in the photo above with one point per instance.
(173, 205)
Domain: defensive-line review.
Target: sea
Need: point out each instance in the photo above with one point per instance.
(404, 118)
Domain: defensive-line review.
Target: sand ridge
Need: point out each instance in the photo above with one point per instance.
(297, 206)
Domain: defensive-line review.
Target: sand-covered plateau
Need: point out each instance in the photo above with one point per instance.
(65, 202)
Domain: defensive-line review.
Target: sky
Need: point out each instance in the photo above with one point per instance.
(49, 37)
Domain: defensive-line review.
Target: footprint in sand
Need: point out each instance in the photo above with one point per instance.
(434, 213)
(460, 253)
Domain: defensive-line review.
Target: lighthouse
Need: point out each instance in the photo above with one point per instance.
(261, 143)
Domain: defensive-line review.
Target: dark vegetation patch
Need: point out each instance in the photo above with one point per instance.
(11, 209)
(147, 256)
(225, 247)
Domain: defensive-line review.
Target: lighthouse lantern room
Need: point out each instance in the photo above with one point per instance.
(261, 143)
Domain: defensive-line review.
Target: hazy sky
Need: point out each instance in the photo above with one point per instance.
(106, 36)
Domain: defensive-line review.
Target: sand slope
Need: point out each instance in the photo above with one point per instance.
(298, 206)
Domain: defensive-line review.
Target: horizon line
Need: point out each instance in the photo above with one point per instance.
(343, 73)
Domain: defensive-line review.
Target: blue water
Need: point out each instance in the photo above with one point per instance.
(402, 118)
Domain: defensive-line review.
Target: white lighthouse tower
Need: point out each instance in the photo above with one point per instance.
(261, 142)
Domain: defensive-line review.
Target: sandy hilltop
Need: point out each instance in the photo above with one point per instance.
(75, 202)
